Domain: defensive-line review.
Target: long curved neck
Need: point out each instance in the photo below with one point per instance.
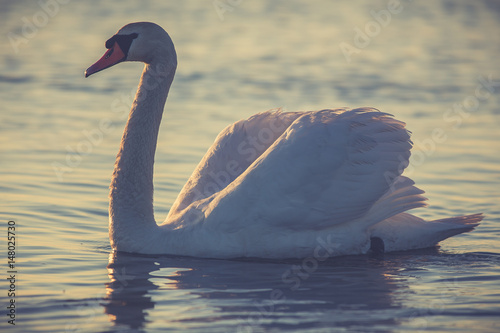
(131, 189)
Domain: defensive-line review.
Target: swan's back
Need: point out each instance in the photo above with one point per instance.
(298, 170)
(333, 173)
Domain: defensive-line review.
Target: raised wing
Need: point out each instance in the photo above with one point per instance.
(232, 152)
(329, 167)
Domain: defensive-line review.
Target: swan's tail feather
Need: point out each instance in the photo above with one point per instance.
(459, 224)
(408, 232)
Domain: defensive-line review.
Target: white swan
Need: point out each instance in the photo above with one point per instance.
(277, 185)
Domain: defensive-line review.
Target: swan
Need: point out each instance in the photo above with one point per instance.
(277, 185)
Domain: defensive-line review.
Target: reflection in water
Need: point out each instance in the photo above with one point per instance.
(127, 291)
(252, 294)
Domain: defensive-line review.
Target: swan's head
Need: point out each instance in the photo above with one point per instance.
(141, 41)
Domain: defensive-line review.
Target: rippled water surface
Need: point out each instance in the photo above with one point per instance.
(428, 63)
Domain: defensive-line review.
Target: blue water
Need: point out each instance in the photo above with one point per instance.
(426, 63)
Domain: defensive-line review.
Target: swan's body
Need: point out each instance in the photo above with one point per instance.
(277, 185)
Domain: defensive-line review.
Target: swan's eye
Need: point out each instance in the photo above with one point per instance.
(110, 52)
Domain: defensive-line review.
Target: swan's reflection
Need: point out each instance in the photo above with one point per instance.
(180, 291)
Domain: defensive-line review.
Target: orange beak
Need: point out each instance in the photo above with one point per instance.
(112, 57)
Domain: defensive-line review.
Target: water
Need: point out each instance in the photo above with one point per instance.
(60, 134)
